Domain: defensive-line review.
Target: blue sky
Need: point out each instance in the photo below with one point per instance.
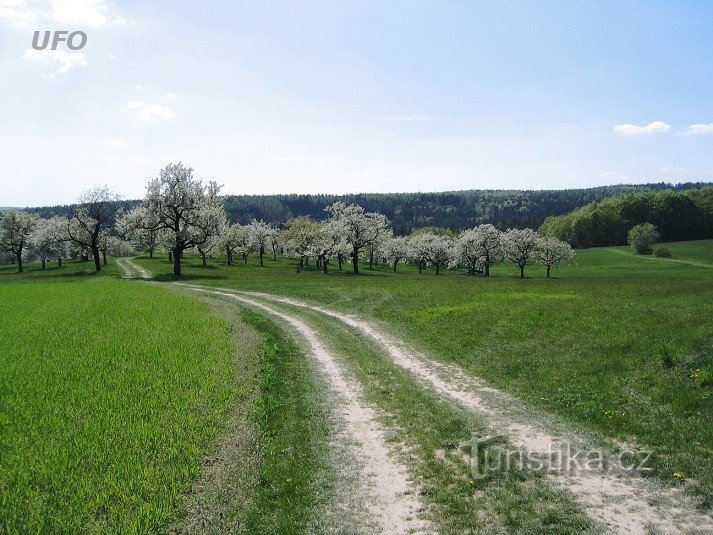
(355, 96)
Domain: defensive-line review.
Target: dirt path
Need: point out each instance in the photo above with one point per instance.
(648, 257)
(621, 502)
(132, 270)
(391, 496)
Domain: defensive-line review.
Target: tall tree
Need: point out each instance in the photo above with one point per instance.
(15, 230)
(262, 235)
(359, 229)
(95, 215)
(182, 205)
(300, 237)
(479, 248)
(49, 240)
(137, 227)
(551, 252)
(396, 249)
(520, 247)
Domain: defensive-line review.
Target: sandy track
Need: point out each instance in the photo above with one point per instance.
(132, 270)
(390, 495)
(621, 502)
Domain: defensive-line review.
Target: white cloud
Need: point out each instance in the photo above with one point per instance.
(172, 96)
(114, 142)
(139, 87)
(59, 61)
(633, 130)
(24, 13)
(150, 113)
(80, 12)
(697, 129)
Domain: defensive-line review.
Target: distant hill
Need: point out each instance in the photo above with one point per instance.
(453, 209)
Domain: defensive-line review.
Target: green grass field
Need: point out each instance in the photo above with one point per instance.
(109, 409)
(105, 404)
(616, 342)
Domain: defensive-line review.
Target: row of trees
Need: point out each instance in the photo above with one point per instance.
(83, 233)
(678, 216)
(180, 213)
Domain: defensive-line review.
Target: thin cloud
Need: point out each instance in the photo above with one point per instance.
(697, 130)
(655, 127)
(30, 13)
(58, 61)
(151, 113)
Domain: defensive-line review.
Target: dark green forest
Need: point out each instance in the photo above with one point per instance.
(677, 215)
(456, 210)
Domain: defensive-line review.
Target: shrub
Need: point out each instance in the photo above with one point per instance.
(663, 252)
(642, 236)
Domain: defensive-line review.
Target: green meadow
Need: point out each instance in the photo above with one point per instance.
(114, 393)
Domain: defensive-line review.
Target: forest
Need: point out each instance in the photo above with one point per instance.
(456, 210)
(677, 215)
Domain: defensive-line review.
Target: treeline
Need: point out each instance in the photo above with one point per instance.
(455, 210)
(677, 216)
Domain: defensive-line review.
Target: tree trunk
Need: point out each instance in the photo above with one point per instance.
(306, 260)
(395, 262)
(97, 259)
(262, 252)
(548, 271)
(203, 259)
(44, 261)
(371, 258)
(325, 263)
(19, 261)
(151, 252)
(104, 257)
(274, 254)
(339, 259)
(437, 268)
(355, 262)
(302, 261)
(522, 272)
(487, 270)
(59, 262)
(420, 266)
(170, 256)
(176, 263)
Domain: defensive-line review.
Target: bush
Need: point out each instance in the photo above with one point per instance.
(642, 236)
(663, 252)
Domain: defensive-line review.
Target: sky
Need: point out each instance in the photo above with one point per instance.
(354, 96)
